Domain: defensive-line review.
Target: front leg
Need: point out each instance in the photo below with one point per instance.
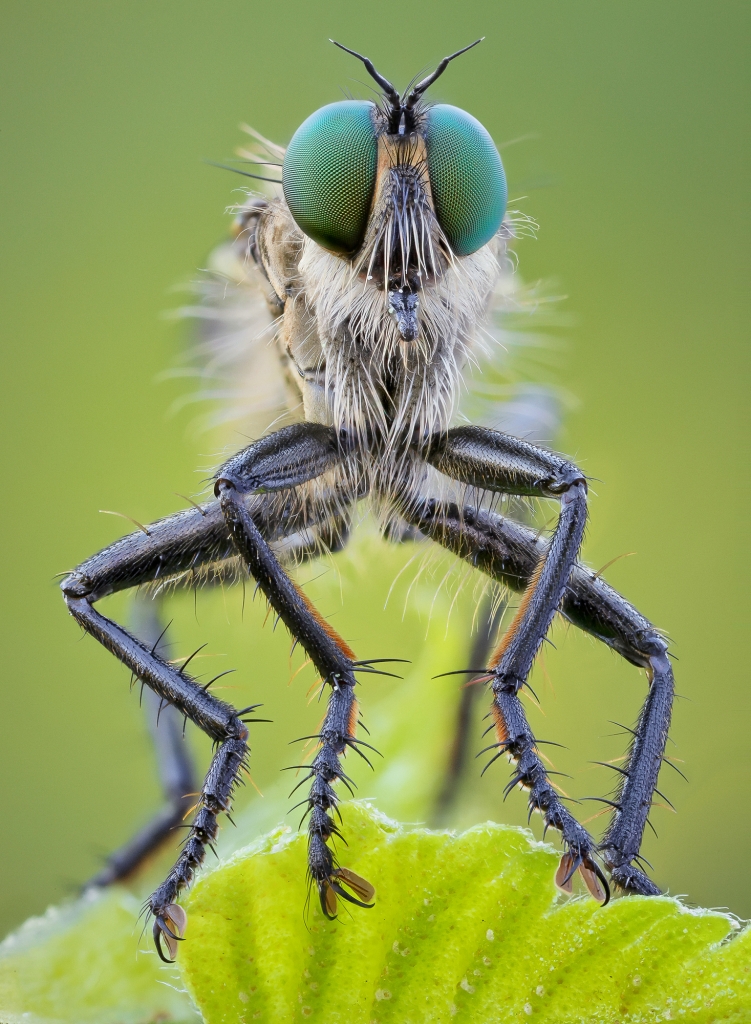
(487, 458)
(337, 665)
(492, 461)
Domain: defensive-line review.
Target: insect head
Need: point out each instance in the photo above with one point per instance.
(397, 188)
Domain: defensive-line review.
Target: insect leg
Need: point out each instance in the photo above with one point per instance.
(167, 726)
(510, 553)
(174, 546)
(217, 719)
(596, 607)
(336, 663)
(459, 756)
(499, 462)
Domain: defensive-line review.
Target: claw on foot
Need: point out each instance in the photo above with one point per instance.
(329, 889)
(591, 874)
(170, 926)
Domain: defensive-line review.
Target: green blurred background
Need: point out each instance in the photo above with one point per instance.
(640, 117)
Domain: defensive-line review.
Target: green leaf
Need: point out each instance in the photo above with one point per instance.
(81, 963)
(466, 928)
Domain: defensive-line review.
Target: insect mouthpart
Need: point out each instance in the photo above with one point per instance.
(405, 249)
(403, 305)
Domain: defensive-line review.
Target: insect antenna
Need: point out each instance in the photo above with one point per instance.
(421, 87)
(390, 92)
(401, 113)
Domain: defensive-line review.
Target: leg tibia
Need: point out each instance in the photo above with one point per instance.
(175, 765)
(621, 842)
(216, 718)
(543, 593)
(335, 662)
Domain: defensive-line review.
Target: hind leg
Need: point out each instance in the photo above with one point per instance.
(459, 756)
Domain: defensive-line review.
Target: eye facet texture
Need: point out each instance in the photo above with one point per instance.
(466, 177)
(329, 174)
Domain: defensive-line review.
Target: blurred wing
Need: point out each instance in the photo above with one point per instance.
(505, 387)
(233, 357)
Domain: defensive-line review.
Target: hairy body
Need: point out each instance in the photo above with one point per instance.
(377, 316)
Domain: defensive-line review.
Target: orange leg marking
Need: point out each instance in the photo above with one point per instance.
(328, 629)
(511, 632)
(501, 730)
(352, 724)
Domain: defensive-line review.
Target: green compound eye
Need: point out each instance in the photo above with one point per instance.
(466, 176)
(329, 174)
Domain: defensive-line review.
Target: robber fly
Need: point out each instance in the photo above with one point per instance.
(379, 262)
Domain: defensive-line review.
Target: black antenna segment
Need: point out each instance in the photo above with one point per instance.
(389, 91)
(401, 113)
(420, 88)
